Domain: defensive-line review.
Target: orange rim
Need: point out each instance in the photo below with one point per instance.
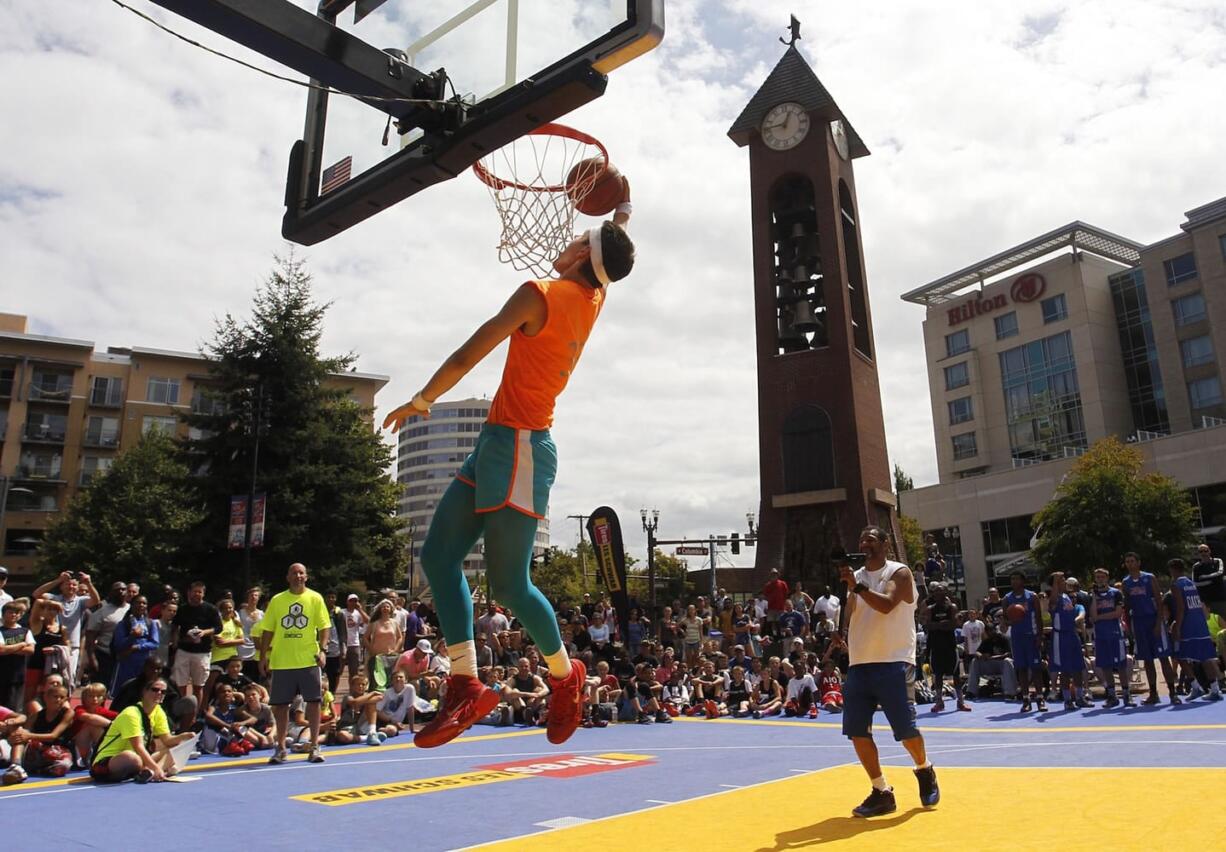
(496, 183)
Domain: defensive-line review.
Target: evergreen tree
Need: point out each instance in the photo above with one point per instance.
(330, 503)
(132, 522)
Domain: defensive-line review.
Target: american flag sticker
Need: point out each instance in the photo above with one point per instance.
(336, 174)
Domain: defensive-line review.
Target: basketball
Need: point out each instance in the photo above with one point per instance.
(1015, 613)
(607, 193)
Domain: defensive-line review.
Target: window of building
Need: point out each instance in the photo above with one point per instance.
(92, 466)
(964, 446)
(106, 391)
(1210, 503)
(51, 386)
(1179, 269)
(957, 343)
(1188, 309)
(34, 465)
(1054, 309)
(960, 410)
(41, 426)
(1042, 398)
(102, 432)
(1007, 535)
(1197, 350)
(808, 450)
(1221, 244)
(209, 401)
(1146, 394)
(1204, 393)
(957, 376)
(165, 424)
(1006, 325)
(6, 381)
(163, 390)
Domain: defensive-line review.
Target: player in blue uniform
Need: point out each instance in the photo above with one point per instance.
(1191, 630)
(1024, 639)
(1149, 638)
(1110, 654)
(1067, 659)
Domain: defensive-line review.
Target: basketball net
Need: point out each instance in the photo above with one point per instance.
(527, 180)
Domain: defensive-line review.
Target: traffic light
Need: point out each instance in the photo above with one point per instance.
(736, 543)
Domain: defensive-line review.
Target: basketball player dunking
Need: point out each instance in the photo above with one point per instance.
(881, 647)
(502, 489)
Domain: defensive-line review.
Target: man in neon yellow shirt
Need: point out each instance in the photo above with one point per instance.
(293, 634)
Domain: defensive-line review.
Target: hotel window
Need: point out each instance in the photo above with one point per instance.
(957, 376)
(1042, 399)
(1196, 351)
(1179, 269)
(1006, 326)
(957, 343)
(1189, 309)
(964, 446)
(1204, 393)
(165, 425)
(163, 390)
(1054, 309)
(960, 410)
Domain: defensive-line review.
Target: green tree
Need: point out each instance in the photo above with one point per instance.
(330, 504)
(912, 538)
(902, 482)
(1105, 507)
(132, 522)
(560, 576)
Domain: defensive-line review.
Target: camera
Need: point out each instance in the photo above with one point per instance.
(855, 560)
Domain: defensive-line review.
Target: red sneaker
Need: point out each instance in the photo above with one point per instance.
(566, 703)
(712, 709)
(812, 711)
(467, 700)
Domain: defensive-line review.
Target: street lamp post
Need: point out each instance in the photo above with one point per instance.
(412, 530)
(956, 572)
(582, 519)
(650, 527)
(257, 426)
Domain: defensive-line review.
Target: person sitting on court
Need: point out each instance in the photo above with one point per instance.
(992, 659)
(90, 721)
(125, 750)
(830, 687)
(359, 719)
(10, 721)
(645, 697)
(738, 698)
(44, 738)
(224, 726)
(415, 664)
(526, 693)
(396, 709)
(767, 695)
(260, 723)
(802, 691)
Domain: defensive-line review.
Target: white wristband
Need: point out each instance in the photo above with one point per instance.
(421, 403)
(625, 207)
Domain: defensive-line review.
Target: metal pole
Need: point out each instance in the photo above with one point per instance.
(255, 466)
(714, 587)
(651, 569)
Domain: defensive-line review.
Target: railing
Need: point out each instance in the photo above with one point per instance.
(38, 393)
(1026, 462)
(45, 503)
(1074, 452)
(102, 439)
(1207, 422)
(1143, 435)
(44, 432)
(109, 397)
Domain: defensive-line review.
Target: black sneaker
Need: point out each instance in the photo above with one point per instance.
(664, 718)
(1042, 705)
(1026, 706)
(929, 792)
(878, 803)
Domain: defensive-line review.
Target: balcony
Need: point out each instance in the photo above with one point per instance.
(106, 397)
(6, 386)
(45, 433)
(41, 470)
(33, 503)
(103, 440)
(59, 393)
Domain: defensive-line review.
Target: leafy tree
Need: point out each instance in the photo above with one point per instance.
(330, 503)
(560, 576)
(902, 482)
(912, 538)
(1105, 507)
(132, 521)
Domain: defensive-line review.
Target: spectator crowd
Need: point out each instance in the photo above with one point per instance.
(115, 686)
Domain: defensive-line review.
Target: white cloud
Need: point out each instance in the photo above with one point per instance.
(141, 197)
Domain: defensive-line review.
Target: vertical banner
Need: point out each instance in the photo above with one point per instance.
(238, 523)
(257, 520)
(606, 533)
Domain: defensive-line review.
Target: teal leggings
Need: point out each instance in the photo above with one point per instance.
(509, 538)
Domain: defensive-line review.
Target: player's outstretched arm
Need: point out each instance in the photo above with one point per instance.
(525, 306)
(621, 216)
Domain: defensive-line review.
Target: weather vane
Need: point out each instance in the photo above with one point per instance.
(794, 26)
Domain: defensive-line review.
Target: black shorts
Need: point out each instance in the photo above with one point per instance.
(286, 683)
(890, 686)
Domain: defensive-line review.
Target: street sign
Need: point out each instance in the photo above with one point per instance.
(690, 551)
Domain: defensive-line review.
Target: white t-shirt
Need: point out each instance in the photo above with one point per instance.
(353, 628)
(874, 637)
(599, 634)
(402, 618)
(73, 616)
(103, 622)
(396, 704)
(972, 635)
(5, 597)
(795, 686)
(491, 624)
(828, 606)
(246, 651)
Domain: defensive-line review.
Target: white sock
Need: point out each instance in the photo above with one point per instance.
(559, 663)
(925, 765)
(879, 783)
(463, 658)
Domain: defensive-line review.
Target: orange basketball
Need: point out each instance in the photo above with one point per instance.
(1016, 613)
(595, 193)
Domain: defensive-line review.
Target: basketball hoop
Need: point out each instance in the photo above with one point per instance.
(535, 192)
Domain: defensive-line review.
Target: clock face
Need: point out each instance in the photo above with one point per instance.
(838, 133)
(785, 126)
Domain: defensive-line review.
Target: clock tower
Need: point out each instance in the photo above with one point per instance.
(823, 464)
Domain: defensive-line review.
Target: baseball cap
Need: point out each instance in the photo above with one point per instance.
(424, 646)
(4, 572)
(352, 598)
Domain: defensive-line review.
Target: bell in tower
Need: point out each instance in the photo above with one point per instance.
(823, 464)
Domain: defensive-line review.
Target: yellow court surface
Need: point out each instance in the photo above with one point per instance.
(1034, 808)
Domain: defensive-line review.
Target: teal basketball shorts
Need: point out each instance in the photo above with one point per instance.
(511, 468)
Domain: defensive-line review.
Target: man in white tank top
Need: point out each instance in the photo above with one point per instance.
(881, 647)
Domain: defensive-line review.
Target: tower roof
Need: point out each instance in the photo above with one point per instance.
(792, 80)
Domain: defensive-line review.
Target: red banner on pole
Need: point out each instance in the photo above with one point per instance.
(257, 520)
(238, 523)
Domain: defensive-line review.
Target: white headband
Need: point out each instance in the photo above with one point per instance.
(593, 241)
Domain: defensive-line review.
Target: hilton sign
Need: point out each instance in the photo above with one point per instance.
(1026, 288)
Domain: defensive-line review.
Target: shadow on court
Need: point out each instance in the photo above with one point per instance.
(837, 828)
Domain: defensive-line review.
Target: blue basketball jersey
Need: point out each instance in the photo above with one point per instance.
(1025, 627)
(1140, 597)
(1105, 601)
(1194, 623)
(1063, 614)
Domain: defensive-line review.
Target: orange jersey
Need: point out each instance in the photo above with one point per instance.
(539, 367)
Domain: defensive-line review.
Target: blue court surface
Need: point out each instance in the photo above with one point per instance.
(1141, 775)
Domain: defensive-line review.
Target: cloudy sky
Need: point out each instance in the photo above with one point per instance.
(142, 181)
